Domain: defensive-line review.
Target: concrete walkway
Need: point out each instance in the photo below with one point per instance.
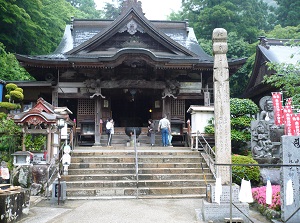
(119, 211)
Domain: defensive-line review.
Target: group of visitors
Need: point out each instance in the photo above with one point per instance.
(164, 127)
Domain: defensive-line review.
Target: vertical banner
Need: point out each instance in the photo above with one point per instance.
(296, 124)
(277, 107)
(288, 121)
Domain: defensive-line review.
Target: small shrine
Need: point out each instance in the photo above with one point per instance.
(45, 119)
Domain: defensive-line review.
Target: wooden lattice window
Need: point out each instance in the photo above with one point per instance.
(178, 108)
(86, 107)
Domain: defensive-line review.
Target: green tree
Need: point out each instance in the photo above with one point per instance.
(10, 139)
(288, 32)
(88, 7)
(288, 12)
(34, 26)
(285, 78)
(14, 94)
(112, 11)
(10, 67)
(247, 18)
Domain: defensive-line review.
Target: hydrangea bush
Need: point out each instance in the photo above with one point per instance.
(259, 195)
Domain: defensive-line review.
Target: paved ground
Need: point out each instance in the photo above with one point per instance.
(119, 211)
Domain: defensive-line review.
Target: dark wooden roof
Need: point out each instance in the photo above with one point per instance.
(107, 43)
(269, 50)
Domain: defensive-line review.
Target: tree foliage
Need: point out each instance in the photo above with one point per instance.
(288, 12)
(112, 11)
(247, 18)
(286, 78)
(241, 111)
(14, 94)
(88, 7)
(34, 26)
(10, 67)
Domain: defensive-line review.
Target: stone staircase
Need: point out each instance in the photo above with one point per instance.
(163, 172)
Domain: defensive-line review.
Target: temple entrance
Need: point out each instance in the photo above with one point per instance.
(131, 113)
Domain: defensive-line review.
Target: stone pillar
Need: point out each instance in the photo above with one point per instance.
(290, 156)
(98, 112)
(221, 104)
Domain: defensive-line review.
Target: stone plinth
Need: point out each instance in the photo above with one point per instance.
(290, 156)
(225, 197)
(13, 204)
(218, 212)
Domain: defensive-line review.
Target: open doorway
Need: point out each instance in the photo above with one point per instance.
(131, 113)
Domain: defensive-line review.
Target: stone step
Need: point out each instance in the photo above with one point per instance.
(120, 177)
(165, 172)
(119, 153)
(132, 165)
(133, 183)
(132, 171)
(143, 159)
(142, 192)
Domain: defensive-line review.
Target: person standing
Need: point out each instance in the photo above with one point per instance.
(151, 132)
(165, 128)
(109, 130)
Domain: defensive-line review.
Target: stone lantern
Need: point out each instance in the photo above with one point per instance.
(21, 158)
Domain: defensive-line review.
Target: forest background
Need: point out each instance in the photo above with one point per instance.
(36, 27)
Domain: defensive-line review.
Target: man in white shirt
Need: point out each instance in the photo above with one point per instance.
(165, 128)
(109, 130)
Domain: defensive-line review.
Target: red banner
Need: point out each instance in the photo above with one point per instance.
(296, 124)
(287, 114)
(277, 107)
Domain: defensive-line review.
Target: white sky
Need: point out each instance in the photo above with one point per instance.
(153, 9)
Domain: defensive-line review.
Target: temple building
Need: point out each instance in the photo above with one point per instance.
(131, 69)
(269, 51)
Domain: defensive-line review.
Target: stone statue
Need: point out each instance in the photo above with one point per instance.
(267, 113)
(261, 144)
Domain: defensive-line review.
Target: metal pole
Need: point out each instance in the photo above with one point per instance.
(230, 194)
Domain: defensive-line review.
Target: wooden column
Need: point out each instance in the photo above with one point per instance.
(98, 113)
(49, 144)
(166, 107)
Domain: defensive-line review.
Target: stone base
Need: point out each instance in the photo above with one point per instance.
(13, 205)
(225, 197)
(216, 212)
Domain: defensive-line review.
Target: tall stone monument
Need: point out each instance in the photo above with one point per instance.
(221, 210)
(221, 104)
(290, 200)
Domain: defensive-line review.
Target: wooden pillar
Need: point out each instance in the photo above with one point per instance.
(49, 144)
(167, 107)
(98, 113)
(55, 97)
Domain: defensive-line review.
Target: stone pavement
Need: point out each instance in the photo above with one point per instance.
(118, 211)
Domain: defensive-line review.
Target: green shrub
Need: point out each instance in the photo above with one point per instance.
(17, 95)
(9, 106)
(251, 173)
(10, 87)
(210, 129)
(241, 107)
(3, 115)
(35, 142)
